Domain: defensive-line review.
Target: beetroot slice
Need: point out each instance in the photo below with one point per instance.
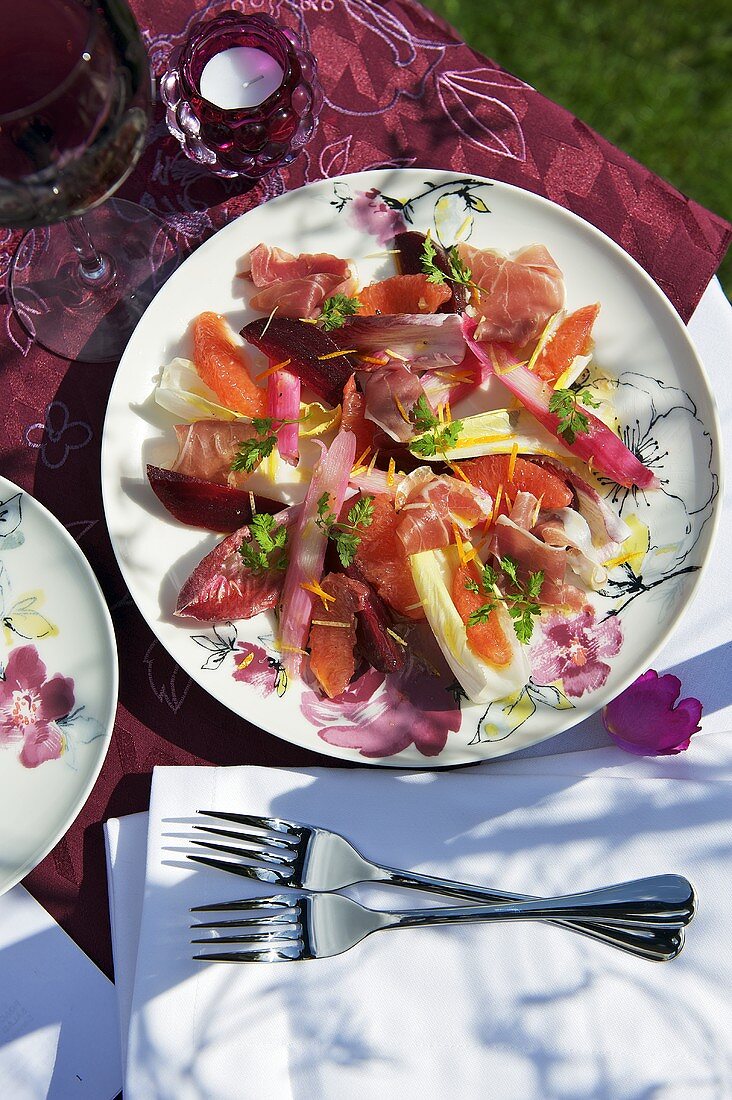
(200, 503)
(221, 587)
(282, 338)
(409, 262)
(373, 621)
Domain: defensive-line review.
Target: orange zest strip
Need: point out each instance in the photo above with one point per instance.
(397, 637)
(372, 463)
(315, 588)
(535, 516)
(412, 607)
(509, 504)
(459, 544)
(325, 622)
(402, 411)
(361, 459)
(448, 412)
(272, 370)
(373, 359)
(620, 559)
(283, 647)
(252, 503)
(308, 320)
(390, 472)
(496, 505)
(269, 319)
(395, 355)
(591, 464)
(512, 461)
(460, 473)
(337, 354)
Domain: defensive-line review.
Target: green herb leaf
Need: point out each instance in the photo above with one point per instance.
(427, 259)
(252, 451)
(481, 614)
(520, 600)
(336, 309)
(422, 415)
(266, 548)
(345, 535)
(471, 585)
(572, 421)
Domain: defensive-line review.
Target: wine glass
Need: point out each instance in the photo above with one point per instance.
(75, 103)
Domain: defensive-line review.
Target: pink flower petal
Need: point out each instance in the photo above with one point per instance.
(644, 720)
(56, 698)
(43, 741)
(24, 670)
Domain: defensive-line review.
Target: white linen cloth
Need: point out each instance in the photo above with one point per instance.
(58, 1012)
(530, 1012)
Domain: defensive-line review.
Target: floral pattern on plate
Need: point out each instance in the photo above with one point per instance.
(39, 718)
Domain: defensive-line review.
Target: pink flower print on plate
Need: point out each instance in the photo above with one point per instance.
(376, 715)
(572, 650)
(31, 704)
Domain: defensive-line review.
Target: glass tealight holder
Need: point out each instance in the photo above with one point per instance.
(242, 95)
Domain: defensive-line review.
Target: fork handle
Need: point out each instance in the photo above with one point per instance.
(633, 939)
(661, 901)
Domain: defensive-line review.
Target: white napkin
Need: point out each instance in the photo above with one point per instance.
(58, 1012)
(524, 1011)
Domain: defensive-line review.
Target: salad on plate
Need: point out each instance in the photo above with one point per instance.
(409, 470)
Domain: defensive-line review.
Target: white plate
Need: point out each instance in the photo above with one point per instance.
(58, 682)
(579, 663)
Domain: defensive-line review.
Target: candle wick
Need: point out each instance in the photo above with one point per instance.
(248, 83)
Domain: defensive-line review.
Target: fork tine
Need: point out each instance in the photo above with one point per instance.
(267, 858)
(272, 921)
(275, 824)
(276, 902)
(263, 874)
(270, 955)
(276, 937)
(285, 842)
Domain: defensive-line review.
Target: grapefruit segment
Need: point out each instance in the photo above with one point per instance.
(491, 472)
(572, 338)
(383, 561)
(333, 634)
(487, 639)
(224, 366)
(402, 294)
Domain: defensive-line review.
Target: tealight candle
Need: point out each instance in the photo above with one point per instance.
(241, 95)
(240, 77)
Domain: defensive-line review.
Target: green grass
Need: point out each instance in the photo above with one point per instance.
(652, 77)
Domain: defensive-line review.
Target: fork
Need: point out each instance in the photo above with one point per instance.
(286, 853)
(291, 928)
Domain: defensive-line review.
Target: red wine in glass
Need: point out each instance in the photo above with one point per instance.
(75, 103)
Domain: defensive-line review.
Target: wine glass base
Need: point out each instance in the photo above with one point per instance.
(73, 318)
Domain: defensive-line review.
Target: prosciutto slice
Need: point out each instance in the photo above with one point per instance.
(531, 555)
(297, 285)
(432, 511)
(391, 393)
(206, 450)
(519, 294)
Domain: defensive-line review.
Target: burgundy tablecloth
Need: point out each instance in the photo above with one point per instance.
(401, 89)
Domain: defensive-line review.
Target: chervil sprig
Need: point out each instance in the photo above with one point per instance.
(336, 309)
(572, 421)
(266, 548)
(459, 273)
(345, 535)
(251, 452)
(520, 600)
(435, 438)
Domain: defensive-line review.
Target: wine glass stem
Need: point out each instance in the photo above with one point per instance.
(95, 268)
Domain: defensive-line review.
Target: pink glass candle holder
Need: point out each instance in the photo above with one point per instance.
(242, 95)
